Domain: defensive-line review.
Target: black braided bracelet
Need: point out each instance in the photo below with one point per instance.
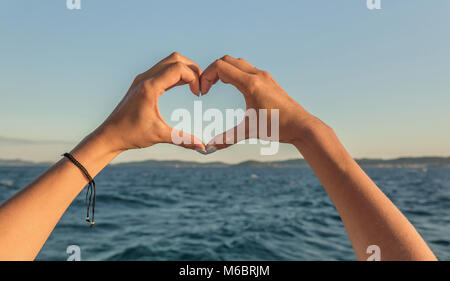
(89, 192)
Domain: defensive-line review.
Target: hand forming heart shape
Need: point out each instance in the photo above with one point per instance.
(138, 122)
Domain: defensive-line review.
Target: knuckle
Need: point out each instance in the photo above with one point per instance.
(226, 57)
(253, 83)
(219, 62)
(138, 77)
(175, 55)
(177, 65)
(148, 85)
(264, 74)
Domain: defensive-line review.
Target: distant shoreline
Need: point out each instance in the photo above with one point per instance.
(403, 162)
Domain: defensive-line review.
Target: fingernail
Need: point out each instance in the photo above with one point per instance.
(211, 149)
(201, 151)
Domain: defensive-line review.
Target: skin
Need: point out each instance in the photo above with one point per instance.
(370, 218)
(28, 218)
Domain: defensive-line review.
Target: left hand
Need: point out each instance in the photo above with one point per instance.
(136, 122)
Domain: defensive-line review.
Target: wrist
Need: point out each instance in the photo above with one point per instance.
(95, 152)
(107, 135)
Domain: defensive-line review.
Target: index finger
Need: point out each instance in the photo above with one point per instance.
(162, 64)
(227, 73)
(176, 74)
(177, 57)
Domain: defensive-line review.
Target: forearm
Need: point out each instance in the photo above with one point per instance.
(28, 218)
(369, 217)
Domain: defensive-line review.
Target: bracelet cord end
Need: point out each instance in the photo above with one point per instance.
(90, 192)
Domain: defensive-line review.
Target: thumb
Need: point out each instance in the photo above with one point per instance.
(228, 138)
(183, 139)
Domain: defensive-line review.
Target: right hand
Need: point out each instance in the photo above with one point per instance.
(260, 91)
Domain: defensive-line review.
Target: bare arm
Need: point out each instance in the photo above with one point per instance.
(28, 218)
(369, 217)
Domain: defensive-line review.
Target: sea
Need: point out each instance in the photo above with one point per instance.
(232, 213)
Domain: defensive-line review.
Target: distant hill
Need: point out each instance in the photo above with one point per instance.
(275, 164)
(407, 162)
(171, 163)
(404, 162)
(21, 163)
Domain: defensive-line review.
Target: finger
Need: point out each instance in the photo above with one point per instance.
(177, 57)
(228, 138)
(241, 64)
(177, 74)
(183, 139)
(227, 73)
(172, 58)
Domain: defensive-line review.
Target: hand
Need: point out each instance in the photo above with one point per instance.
(260, 91)
(136, 122)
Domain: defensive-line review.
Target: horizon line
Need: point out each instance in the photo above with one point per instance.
(230, 164)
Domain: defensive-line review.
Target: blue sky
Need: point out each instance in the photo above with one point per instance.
(379, 78)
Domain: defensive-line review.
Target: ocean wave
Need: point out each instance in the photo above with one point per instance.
(7, 183)
(193, 214)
